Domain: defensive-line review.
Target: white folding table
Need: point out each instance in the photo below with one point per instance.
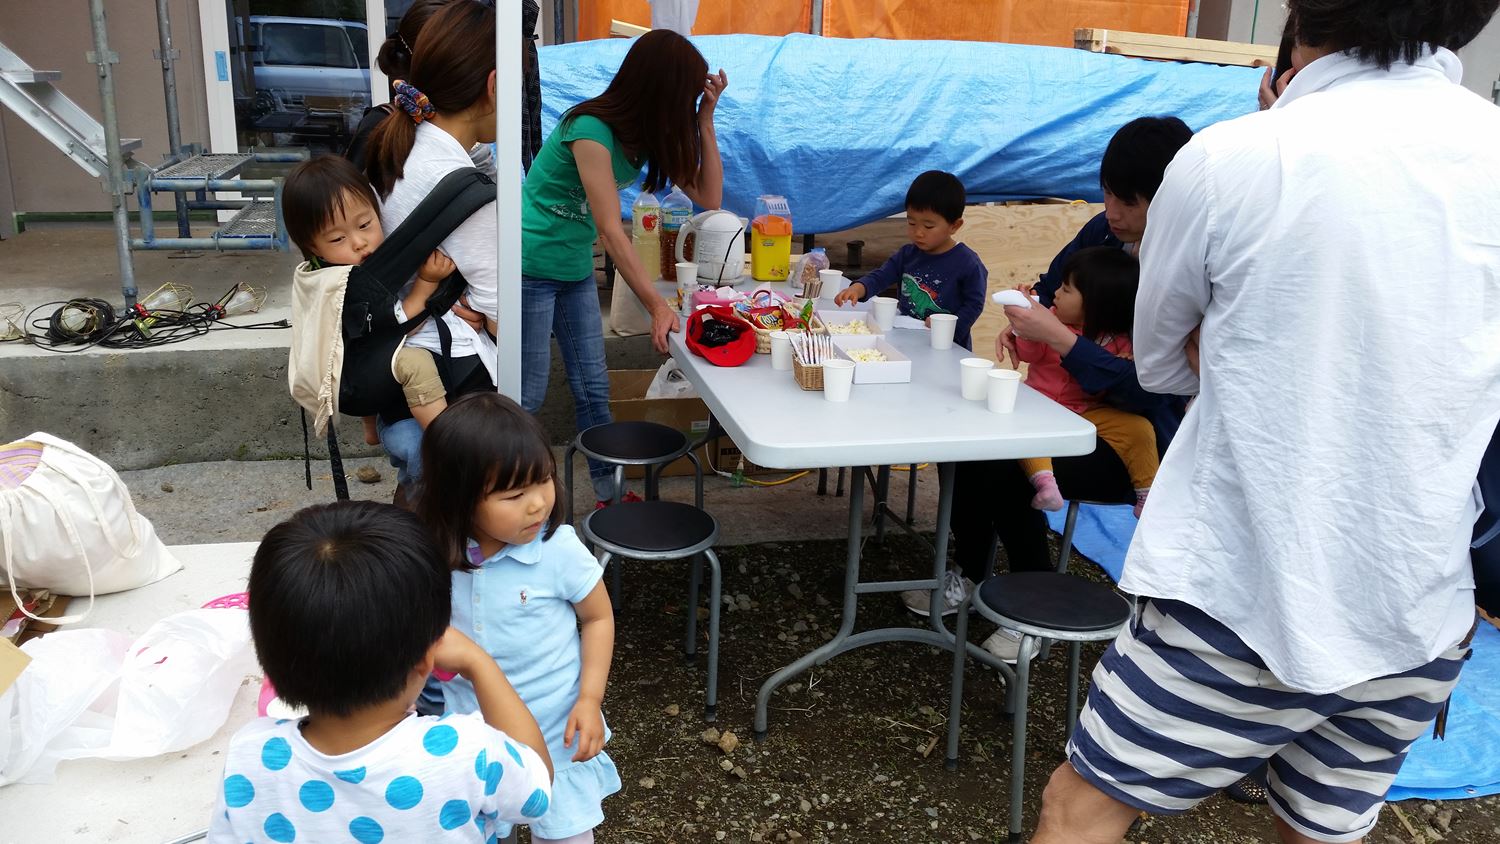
(778, 425)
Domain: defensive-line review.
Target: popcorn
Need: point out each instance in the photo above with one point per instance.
(852, 327)
(865, 355)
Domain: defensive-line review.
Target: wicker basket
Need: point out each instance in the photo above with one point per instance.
(808, 377)
(763, 335)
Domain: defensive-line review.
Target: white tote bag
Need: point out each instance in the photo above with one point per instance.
(67, 525)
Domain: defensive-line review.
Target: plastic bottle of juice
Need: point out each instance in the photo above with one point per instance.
(771, 239)
(676, 210)
(645, 230)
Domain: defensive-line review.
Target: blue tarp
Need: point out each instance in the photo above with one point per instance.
(1465, 764)
(840, 127)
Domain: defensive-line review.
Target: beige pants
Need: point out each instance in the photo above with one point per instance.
(1129, 434)
(418, 376)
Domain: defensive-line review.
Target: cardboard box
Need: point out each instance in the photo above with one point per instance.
(895, 369)
(628, 403)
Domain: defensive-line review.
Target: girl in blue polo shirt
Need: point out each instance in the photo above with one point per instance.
(527, 590)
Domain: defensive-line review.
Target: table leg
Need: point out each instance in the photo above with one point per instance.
(940, 543)
(882, 495)
(851, 603)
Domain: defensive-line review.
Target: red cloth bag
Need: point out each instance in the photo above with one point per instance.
(730, 354)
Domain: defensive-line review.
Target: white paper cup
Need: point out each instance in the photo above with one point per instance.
(781, 350)
(884, 310)
(838, 379)
(972, 372)
(833, 283)
(942, 327)
(1003, 385)
(687, 285)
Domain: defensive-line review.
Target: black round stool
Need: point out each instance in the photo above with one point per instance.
(621, 444)
(667, 530)
(1040, 606)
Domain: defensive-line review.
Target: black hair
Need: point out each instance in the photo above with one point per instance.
(1387, 31)
(1138, 155)
(317, 189)
(346, 599)
(938, 192)
(481, 444)
(1107, 279)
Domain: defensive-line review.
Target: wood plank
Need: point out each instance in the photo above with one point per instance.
(623, 29)
(1145, 45)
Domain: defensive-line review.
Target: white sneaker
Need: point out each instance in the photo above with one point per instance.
(956, 588)
(1006, 645)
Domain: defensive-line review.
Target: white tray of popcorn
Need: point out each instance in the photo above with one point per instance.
(875, 360)
(847, 321)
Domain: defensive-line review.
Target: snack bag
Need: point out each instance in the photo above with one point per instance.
(807, 269)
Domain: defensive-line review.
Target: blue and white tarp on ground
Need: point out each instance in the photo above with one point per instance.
(840, 127)
(1465, 764)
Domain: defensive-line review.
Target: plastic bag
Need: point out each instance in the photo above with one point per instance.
(670, 383)
(807, 269)
(96, 694)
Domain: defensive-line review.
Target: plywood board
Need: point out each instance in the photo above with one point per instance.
(1146, 45)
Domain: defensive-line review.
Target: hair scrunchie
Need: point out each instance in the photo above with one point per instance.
(412, 101)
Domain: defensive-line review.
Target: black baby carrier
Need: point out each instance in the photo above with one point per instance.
(1485, 552)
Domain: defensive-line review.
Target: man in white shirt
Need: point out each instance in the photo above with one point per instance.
(1304, 556)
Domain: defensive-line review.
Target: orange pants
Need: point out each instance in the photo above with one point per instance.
(1129, 434)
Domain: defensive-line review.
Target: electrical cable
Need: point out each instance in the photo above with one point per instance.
(83, 323)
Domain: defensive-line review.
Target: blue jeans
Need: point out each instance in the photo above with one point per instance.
(568, 310)
(402, 442)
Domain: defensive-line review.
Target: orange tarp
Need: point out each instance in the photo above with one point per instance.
(1049, 22)
(715, 17)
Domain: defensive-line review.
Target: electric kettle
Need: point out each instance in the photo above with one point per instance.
(718, 247)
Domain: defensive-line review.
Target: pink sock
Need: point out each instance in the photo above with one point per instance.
(1047, 495)
(1140, 500)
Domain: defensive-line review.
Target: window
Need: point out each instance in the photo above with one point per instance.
(311, 45)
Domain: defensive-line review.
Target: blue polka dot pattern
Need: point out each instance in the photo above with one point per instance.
(276, 754)
(366, 831)
(354, 775)
(238, 792)
(316, 795)
(492, 776)
(481, 762)
(455, 814)
(515, 754)
(403, 792)
(535, 805)
(440, 740)
(278, 828)
(493, 839)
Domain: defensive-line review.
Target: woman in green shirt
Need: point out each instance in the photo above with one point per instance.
(657, 114)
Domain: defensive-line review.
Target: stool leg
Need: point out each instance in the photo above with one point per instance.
(568, 481)
(695, 577)
(1074, 650)
(619, 484)
(822, 482)
(616, 584)
(605, 559)
(1018, 738)
(715, 584)
(697, 480)
(838, 491)
(1065, 548)
(652, 483)
(956, 695)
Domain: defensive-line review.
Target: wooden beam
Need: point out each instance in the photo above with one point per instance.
(1145, 45)
(621, 29)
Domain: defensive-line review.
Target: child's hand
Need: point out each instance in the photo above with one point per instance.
(1005, 347)
(849, 296)
(436, 268)
(586, 724)
(456, 653)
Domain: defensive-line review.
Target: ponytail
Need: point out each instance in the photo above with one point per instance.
(452, 58)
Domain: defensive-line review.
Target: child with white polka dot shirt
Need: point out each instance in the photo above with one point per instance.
(349, 609)
(527, 590)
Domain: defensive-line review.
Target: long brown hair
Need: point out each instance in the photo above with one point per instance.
(651, 106)
(451, 63)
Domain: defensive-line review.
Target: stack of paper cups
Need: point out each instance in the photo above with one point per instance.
(687, 285)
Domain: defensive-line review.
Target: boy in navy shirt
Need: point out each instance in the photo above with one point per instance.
(934, 274)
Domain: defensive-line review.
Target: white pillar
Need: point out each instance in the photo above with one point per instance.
(508, 60)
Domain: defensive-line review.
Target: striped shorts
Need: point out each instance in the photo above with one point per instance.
(1180, 708)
